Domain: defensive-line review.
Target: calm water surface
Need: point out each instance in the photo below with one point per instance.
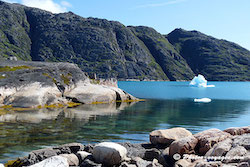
(168, 104)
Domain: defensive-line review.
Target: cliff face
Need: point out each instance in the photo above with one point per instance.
(216, 59)
(111, 49)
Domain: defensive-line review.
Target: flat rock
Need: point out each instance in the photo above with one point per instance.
(56, 161)
(183, 146)
(167, 136)
(109, 153)
(208, 138)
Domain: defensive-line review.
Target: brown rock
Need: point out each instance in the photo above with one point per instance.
(183, 146)
(221, 148)
(166, 137)
(238, 131)
(208, 138)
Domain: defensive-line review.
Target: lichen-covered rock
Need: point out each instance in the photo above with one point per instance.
(39, 84)
(167, 136)
(183, 146)
(109, 153)
(208, 138)
(56, 161)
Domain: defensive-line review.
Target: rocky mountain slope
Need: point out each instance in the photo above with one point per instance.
(111, 49)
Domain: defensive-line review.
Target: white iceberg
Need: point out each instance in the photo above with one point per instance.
(200, 81)
(203, 100)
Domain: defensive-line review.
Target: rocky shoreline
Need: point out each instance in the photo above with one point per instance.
(26, 84)
(170, 147)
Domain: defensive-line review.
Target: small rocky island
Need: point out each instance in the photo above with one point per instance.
(170, 147)
(25, 84)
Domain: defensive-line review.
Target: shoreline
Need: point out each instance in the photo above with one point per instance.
(169, 147)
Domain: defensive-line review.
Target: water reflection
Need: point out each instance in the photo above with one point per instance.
(21, 132)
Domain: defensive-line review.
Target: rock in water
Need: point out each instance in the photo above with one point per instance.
(56, 161)
(166, 137)
(109, 153)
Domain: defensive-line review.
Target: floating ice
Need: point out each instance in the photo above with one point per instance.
(203, 100)
(200, 81)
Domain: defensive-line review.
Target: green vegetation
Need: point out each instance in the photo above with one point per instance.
(14, 68)
(66, 78)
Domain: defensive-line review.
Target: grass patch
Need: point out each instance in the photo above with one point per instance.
(14, 68)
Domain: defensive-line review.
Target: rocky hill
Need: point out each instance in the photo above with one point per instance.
(110, 49)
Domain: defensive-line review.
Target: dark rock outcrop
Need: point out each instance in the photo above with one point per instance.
(216, 59)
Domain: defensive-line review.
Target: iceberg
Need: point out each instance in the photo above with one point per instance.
(200, 81)
(203, 100)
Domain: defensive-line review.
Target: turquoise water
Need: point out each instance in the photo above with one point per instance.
(167, 105)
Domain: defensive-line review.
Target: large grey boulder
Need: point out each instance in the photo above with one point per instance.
(238, 130)
(109, 153)
(167, 136)
(56, 161)
(208, 138)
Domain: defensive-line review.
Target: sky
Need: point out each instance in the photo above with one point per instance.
(222, 19)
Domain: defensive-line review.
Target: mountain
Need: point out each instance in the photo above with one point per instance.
(216, 59)
(110, 49)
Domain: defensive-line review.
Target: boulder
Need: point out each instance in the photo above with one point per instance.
(139, 162)
(166, 137)
(203, 163)
(221, 148)
(109, 153)
(235, 154)
(71, 158)
(208, 138)
(183, 146)
(69, 148)
(56, 161)
(238, 130)
(89, 163)
(242, 140)
(182, 163)
(83, 155)
(1, 165)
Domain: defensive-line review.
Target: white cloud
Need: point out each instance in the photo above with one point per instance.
(48, 5)
(161, 4)
(10, 1)
(66, 4)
